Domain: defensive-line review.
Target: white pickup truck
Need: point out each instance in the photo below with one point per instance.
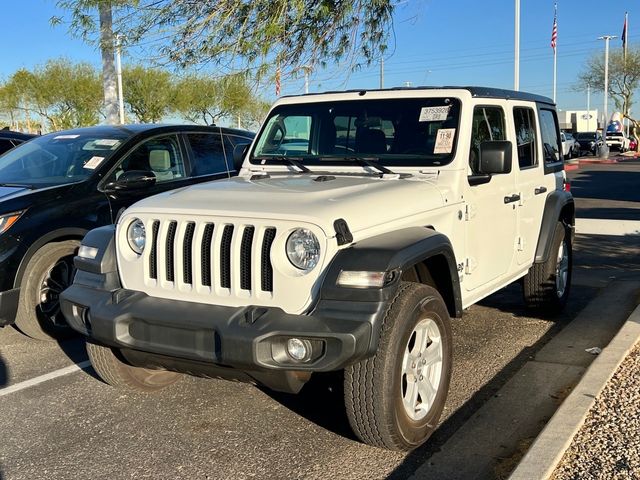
(618, 140)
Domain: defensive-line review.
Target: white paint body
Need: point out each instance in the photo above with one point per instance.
(494, 243)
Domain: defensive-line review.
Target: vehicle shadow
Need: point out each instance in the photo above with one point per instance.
(75, 349)
(4, 373)
(320, 401)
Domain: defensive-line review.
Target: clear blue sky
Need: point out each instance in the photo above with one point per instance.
(465, 42)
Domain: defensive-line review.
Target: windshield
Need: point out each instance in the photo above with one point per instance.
(394, 132)
(56, 159)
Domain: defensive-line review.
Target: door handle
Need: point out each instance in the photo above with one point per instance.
(540, 190)
(512, 198)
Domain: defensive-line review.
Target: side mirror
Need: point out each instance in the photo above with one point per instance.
(239, 152)
(495, 157)
(133, 180)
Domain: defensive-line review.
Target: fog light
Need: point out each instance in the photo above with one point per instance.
(298, 349)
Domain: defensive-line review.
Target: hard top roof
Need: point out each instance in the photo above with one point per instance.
(479, 92)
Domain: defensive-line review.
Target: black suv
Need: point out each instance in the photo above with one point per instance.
(57, 187)
(10, 139)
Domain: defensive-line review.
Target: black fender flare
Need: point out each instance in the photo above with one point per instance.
(558, 206)
(393, 252)
(58, 235)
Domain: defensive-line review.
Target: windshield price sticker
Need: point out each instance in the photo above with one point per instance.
(107, 142)
(444, 140)
(93, 163)
(434, 114)
(65, 137)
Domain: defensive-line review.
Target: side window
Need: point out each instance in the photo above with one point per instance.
(161, 155)
(524, 121)
(550, 140)
(5, 145)
(208, 154)
(230, 143)
(488, 126)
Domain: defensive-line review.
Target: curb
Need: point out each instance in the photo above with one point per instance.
(549, 447)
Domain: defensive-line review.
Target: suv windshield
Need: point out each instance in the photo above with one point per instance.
(56, 159)
(393, 132)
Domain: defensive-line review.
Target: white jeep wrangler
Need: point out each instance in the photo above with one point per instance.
(362, 222)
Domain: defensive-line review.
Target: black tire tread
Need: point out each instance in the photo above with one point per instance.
(117, 373)
(26, 318)
(538, 284)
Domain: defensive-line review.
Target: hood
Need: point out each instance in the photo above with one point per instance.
(18, 198)
(363, 201)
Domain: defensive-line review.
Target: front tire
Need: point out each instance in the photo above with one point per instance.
(546, 286)
(115, 371)
(395, 398)
(48, 273)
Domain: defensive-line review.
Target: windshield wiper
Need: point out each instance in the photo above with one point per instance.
(18, 185)
(370, 162)
(293, 161)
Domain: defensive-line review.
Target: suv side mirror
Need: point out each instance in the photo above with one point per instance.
(239, 152)
(495, 157)
(133, 180)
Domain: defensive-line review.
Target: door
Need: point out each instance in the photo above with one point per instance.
(163, 156)
(490, 211)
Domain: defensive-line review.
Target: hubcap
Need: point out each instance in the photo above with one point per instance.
(55, 281)
(421, 369)
(562, 269)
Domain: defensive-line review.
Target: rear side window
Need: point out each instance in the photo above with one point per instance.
(208, 154)
(550, 138)
(524, 121)
(5, 145)
(488, 126)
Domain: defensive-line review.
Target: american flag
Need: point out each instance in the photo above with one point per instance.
(278, 82)
(554, 32)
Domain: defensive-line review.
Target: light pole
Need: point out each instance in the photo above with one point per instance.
(589, 109)
(381, 72)
(119, 75)
(606, 38)
(516, 63)
(306, 69)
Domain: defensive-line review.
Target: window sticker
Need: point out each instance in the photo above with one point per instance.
(434, 114)
(93, 163)
(444, 140)
(65, 137)
(107, 142)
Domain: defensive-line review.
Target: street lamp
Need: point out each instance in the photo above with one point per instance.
(119, 75)
(605, 150)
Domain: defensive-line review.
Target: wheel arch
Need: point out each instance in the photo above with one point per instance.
(398, 251)
(559, 206)
(59, 235)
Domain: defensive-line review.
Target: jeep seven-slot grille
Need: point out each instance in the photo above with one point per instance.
(212, 255)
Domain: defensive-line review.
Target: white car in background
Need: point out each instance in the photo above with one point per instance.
(570, 147)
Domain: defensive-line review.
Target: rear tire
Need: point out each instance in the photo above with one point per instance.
(395, 398)
(48, 273)
(546, 286)
(116, 372)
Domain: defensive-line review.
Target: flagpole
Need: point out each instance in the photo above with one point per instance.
(555, 53)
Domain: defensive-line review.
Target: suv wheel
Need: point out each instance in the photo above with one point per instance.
(546, 285)
(395, 398)
(49, 272)
(115, 371)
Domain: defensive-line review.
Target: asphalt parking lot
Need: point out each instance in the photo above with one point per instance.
(75, 426)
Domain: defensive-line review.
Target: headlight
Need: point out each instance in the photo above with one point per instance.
(303, 249)
(7, 220)
(136, 236)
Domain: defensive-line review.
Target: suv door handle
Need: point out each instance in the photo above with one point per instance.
(512, 198)
(540, 190)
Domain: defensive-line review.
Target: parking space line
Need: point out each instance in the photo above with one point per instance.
(44, 378)
(600, 226)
